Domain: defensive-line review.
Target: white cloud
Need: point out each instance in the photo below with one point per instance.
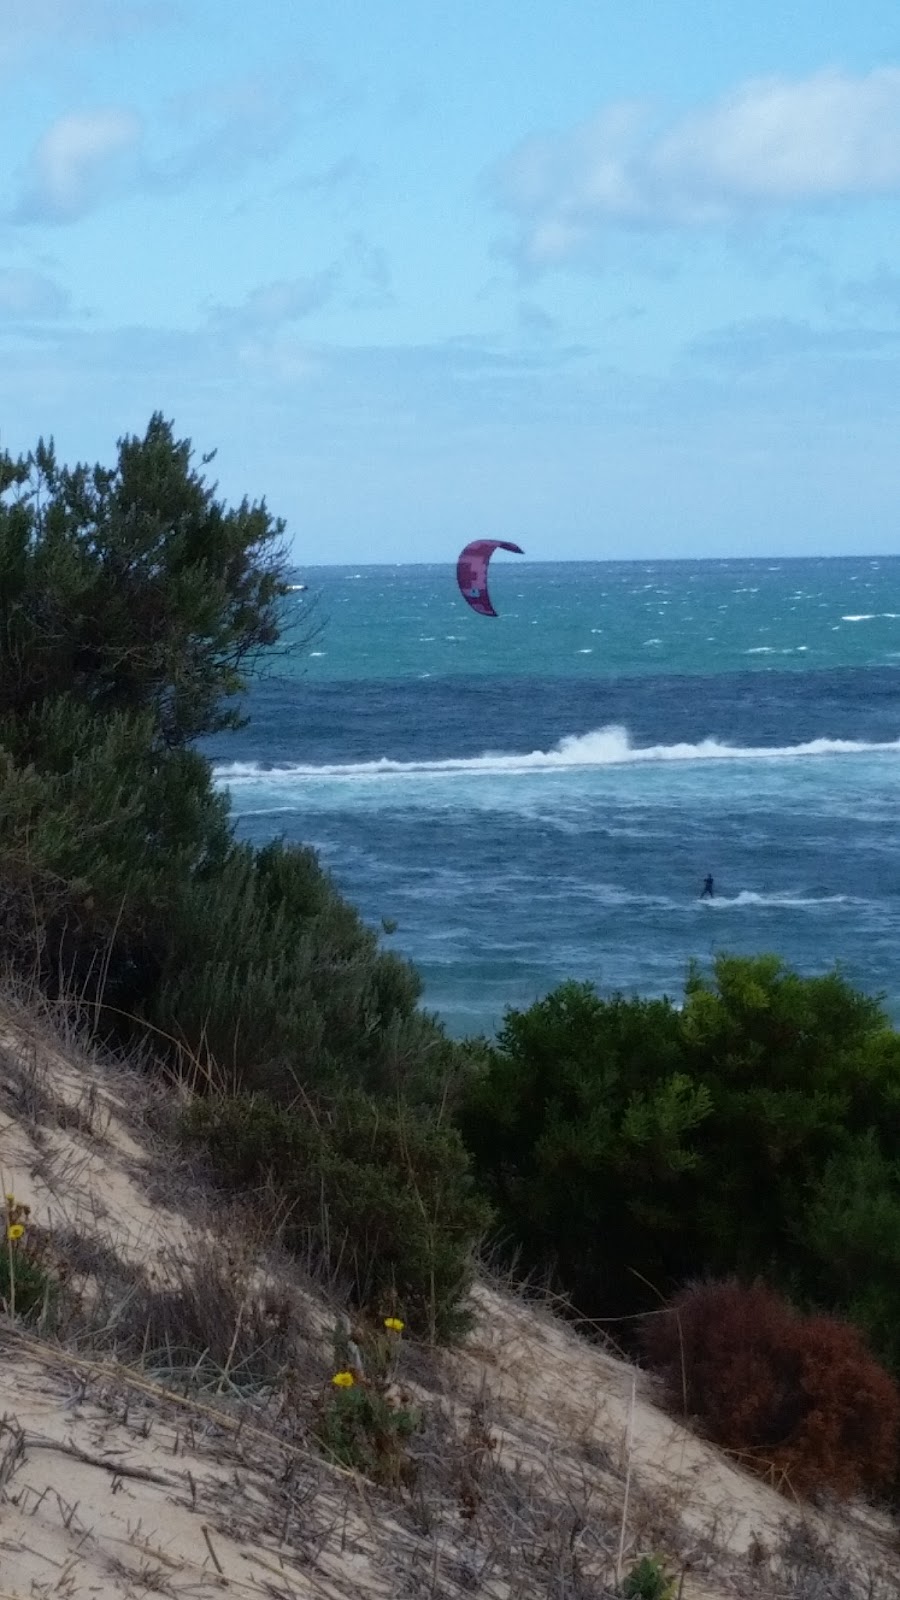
(27, 294)
(78, 158)
(769, 143)
(84, 156)
(359, 277)
(284, 300)
(224, 125)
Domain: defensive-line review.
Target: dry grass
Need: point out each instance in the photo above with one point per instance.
(161, 1436)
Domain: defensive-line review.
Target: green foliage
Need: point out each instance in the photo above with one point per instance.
(132, 603)
(648, 1580)
(29, 1288)
(101, 834)
(374, 1192)
(852, 1228)
(582, 1125)
(800, 1069)
(283, 983)
(755, 1130)
(132, 606)
(362, 1428)
(132, 588)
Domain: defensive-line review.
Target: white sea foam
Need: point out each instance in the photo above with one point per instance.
(606, 747)
(749, 897)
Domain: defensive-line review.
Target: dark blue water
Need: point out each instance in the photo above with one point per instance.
(531, 807)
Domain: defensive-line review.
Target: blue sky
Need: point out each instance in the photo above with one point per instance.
(608, 280)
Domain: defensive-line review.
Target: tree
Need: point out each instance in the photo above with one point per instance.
(133, 588)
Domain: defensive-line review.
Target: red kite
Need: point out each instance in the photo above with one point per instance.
(471, 572)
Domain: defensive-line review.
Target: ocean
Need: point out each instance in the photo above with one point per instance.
(540, 796)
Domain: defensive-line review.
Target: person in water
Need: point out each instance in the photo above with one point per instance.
(707, 886)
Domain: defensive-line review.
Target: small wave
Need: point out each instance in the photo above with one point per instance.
(606, 747)
(749, 897)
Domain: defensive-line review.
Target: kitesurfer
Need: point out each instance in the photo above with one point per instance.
(707, 887)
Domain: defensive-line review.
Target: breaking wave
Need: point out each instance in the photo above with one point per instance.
(606, 747)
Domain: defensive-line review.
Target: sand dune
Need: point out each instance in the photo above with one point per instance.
(127, 1469)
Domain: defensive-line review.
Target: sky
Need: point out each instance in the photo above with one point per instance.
(607, 279)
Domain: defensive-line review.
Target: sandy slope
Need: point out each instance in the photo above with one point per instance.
(111, 1485)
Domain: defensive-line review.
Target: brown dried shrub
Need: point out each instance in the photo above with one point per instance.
(799, 1398)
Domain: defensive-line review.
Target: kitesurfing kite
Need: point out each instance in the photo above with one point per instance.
(472, 569)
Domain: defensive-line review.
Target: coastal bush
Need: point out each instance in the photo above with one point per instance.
(133, 606)
(100, 832)
(123, 883)
(370, 1191)
(581, 1127)
(285, 986)
(851, 1226)
(754, 1130)
(132, 588)
(798, 1398)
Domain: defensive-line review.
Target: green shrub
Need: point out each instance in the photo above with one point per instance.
(122, 881)
(851, 1227)
(582, 1126)
(648, 1580)
(362, 1428)
(377, 1194)
(277, 975)
(29, 1288)
(756, 1130)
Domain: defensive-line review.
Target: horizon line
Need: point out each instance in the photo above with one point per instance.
(611, 561)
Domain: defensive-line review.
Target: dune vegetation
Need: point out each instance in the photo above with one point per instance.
(713, 1184)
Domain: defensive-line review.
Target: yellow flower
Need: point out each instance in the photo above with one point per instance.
(343, 1380)
(394, 1323)
(15, 1232)
(10, 1200)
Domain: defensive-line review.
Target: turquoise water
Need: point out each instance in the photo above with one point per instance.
(581, 619)
(540, 796)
